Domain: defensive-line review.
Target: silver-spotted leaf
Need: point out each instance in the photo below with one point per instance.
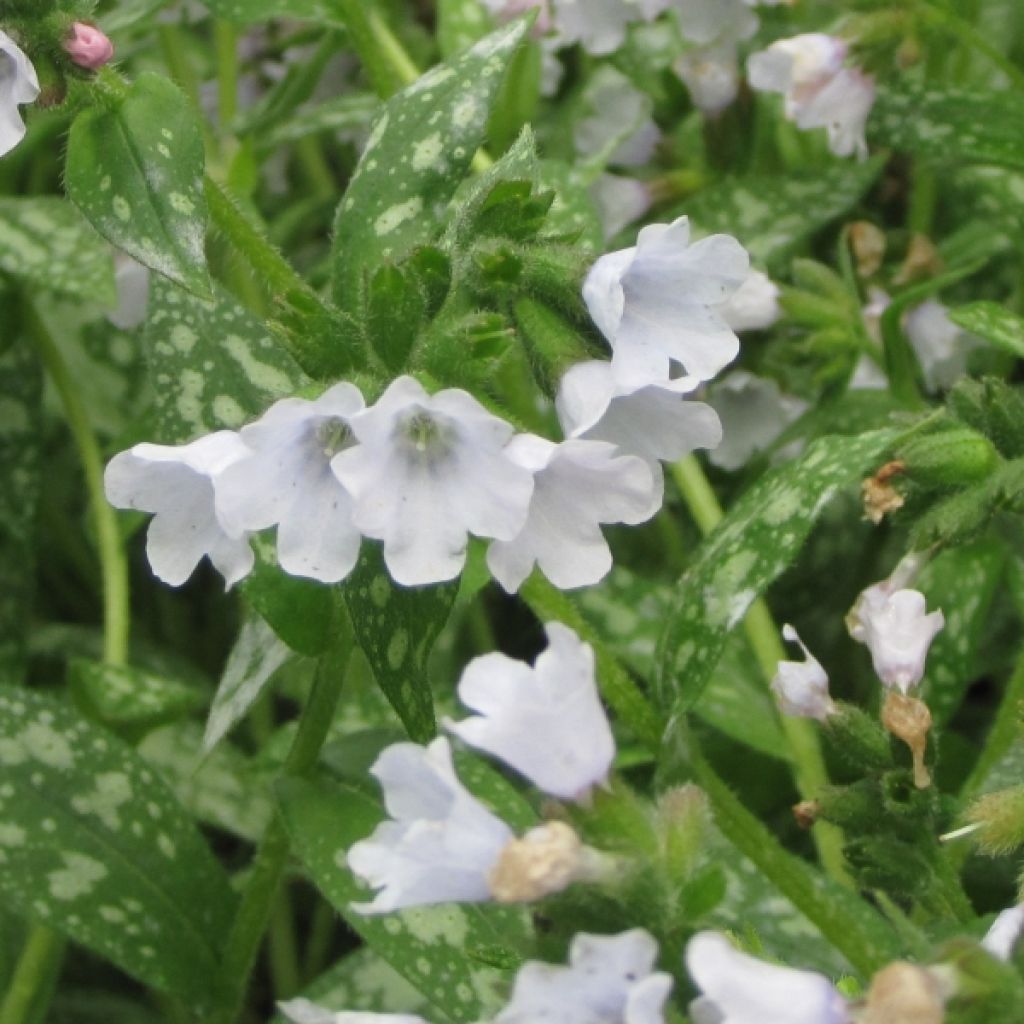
(94, 845)
(135, 170)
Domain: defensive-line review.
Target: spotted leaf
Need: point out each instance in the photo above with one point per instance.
(419, 150)
(135, 170)
(760, 536)
(94, 845)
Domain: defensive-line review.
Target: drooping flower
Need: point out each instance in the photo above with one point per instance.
(428, 471)
(441, 843)
(754, 306)
(661, 299)
(546, 722)
(132, 281)
(707, 21)
(754, 412)
(88, 47)
(1005, 932)
(176, 485)
(599, 26)
(643, 414)
(819, 90)
(712, 74)
(892, 623)
(286, 480)
(615, 103)
(302, 1011)
(740, 989)
(941, 345)
(609, 980)
(578, 486)
(19, 84)
(620, 201)
(801, 687)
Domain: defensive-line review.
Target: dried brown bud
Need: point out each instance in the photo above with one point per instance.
(806, 813)
(909, 719)
(922, 260)
(868, 244)
(880, 497)
(903, 993)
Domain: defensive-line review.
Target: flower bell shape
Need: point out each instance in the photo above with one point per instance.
(578, 485)
(546, 722)
(302, 1011)
(642, 414)
(740, 989)
(660, 299)
(132, 281)
(712, 75)
(428, 471)
(176, 485)
(896, 630)
(19, 84)
(819, 91)
(754, 306)
(1005, 932)
(941, 346)
(801, 687)
(609, 980)
(440, 844)
(88, 47)
(286, 480)
(599, 26)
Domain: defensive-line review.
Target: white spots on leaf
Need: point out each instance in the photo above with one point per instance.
(11, 835)
(264, 376)
(465, 111)
(183, 338)
(43, 743)
(77, 878)
(122, 208)
(398, 648)
(428, 153)
(397, 215)
(189, 400)
(228, 412)
(113, 790)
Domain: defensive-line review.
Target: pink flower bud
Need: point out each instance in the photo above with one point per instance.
(88, 47)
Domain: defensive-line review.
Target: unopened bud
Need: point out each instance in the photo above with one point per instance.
(855, 736)
(88, 47)
(949, 458)
(1000, 817)
(904, 993)
(546, 860)
(909, 719)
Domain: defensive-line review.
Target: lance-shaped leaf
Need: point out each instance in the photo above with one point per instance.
(135, 170)
(45, 242)
(396, 628)
(760, 536)
(994, 323)
(460, 957)
(419, 150)
(94, 845)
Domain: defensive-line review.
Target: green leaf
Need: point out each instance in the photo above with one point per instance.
(771, 216)
(460, 23)
(760, 536)
(994, 323)
(45, 242)
(21, 436)
(962, 582)
(135, 170)
(341, 113)
(248, 11)
(396, 628)
(212, 364)
(950, 125)
(419, 150)
(121, 695)
(96, 847)
(220, 788)
(431, 947)
(362, 982)
(256, 656)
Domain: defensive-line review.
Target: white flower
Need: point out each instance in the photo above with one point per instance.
(442, 843)
(428, 471)
(18, 84)
(819, 91)
(801, 687)
(1006, 930)
(546, 722)
(755, 304)
(617, 110)
(599, 26)
(740, 989)
(578, 485)
(176, 484)
(132, 281)
(643, 415)
(286, 480)
(660, 300)
(893, 625)
(608, 981)
(620, 201)
(754, 412)
(941, 346)
(709, 21)
(302, 1011)
(712, 75)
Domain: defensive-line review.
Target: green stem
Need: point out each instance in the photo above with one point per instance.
(808, 762)
(318, 943)
(113, 565)
(39, 959)
(964, 31)
(261, 889)
(849, 924)
(618, 688)
(225, 38)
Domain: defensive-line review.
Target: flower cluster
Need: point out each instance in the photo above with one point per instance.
(441, 844)
(421, 473)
